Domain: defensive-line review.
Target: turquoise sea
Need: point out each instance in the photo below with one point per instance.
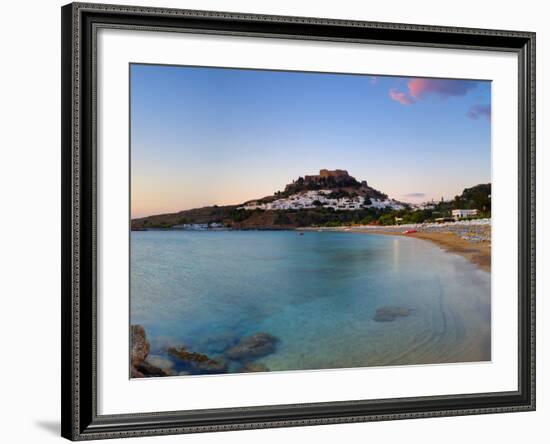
(318, 293)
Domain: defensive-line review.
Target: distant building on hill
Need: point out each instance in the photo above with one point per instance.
(461, 214)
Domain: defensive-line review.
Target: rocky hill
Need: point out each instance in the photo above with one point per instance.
(332, 180)
(332, 196)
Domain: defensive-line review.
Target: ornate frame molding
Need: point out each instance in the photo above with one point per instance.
(80, 21)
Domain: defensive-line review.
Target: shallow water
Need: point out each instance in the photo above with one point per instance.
(318, 293)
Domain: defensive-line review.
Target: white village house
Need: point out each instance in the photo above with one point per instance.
(461, 214)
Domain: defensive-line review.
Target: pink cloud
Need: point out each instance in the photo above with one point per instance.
(401, 97)
(417, 89)
(477, 111)
(444, 88)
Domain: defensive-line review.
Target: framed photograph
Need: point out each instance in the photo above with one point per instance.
(281, 221)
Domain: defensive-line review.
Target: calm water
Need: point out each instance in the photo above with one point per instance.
(318, 293)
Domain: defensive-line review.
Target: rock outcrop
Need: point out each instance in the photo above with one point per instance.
(149, 370)
(174, 361)
(337, 184)
(140, 367)
(333, 180)
(251, 347)
(139, 346)
(388, 314)
(199, 362)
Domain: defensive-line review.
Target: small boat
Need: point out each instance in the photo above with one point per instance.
(301, 233)
(410, 231)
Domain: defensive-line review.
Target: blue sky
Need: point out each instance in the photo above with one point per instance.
(204, 136)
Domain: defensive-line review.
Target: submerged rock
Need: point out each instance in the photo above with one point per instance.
(254, 346)
(252, 367)
(200, 362)
(388, 314)
(221, 342)
(212, 366)
(185, 355)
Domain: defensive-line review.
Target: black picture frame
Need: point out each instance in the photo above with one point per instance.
(80, 420)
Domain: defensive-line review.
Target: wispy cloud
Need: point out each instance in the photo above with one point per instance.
(418, 195)
(401, 97)
(477, 111)
(417, 89)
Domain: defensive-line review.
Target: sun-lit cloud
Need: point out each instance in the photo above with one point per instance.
(418, 89)
(477, 111)
(401, 97)
(444, 88)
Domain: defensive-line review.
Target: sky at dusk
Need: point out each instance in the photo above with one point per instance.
(205, 136)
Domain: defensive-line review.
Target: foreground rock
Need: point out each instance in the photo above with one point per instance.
(388, 314)
(200, 362)
(149, 370)
(140, 367)
(254, 346)
(139, 346)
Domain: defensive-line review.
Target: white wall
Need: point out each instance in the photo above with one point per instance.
(30, 233)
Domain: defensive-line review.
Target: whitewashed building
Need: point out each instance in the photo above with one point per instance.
(320, 198)
(461, 214)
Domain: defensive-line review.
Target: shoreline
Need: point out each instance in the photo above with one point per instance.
(477, 252)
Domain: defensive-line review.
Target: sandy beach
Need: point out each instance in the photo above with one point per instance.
(470, 239)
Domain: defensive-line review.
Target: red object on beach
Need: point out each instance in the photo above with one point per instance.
(409, 231)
